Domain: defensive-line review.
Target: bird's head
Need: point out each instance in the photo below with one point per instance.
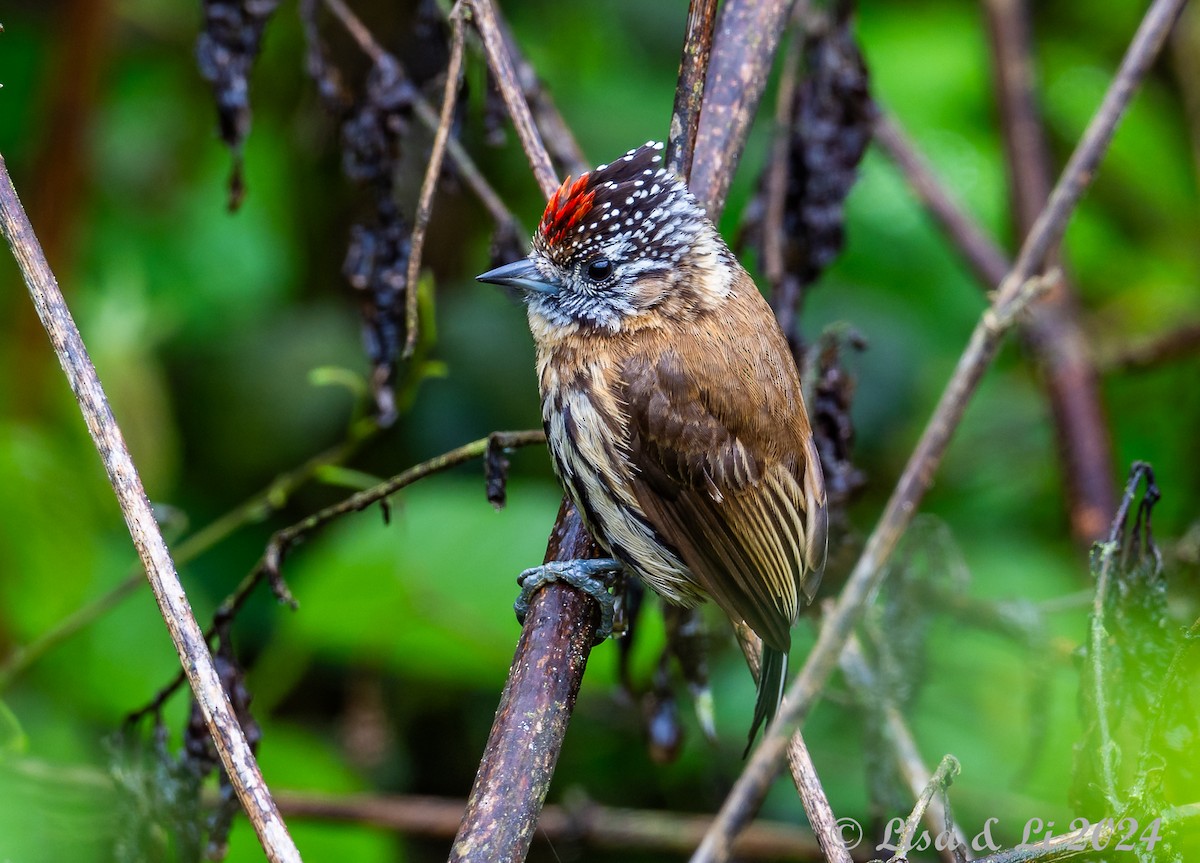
(619, 247)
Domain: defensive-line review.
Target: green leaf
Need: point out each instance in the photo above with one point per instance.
(345, 477)
(336, 376)
(13, 740)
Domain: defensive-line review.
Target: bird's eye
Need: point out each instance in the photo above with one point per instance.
(599, 269)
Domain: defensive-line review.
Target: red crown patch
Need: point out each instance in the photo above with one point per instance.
(567, 208)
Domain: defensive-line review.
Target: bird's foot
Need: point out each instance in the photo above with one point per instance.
(594, 577)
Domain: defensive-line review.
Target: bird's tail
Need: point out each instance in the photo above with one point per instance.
(771, 679)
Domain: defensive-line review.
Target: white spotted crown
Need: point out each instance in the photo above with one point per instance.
(634, 201)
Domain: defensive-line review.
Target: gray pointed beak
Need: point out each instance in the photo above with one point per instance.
(520, 274)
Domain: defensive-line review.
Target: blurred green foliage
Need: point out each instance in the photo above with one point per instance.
(205, 327)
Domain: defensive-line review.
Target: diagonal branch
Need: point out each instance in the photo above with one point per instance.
(813, 798)
(584, 823)
(531, 721)
(285, 539)
(912, 768)
(1170, 345)
(231, 744)
(689, 93)
(501, 64)
(1026, 154)
(558, 137)
(463, 163)
(432, 172)
(282, 541)
(1054, 335)
(1014, 294)
(748, 34)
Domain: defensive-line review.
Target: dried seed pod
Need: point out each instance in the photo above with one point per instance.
(226, 50)
(495, 471)
(798, 212)
(330, 87)
(687, 641)
(376, 267)
(664, 731)
(832, 396)
(830, 133)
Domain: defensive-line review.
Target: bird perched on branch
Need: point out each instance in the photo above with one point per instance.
(672, 405)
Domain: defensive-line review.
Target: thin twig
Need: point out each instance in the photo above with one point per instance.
(689, 92)
(1080, 169)
(938, 783)
(585, 823)
(463, 163)
(560, 141)
(1165, 347)
(1087, 840)
(358, 31)
(816, 802)
(1014, 295)
(747, 37)
(804, 773)
(283, 540)
(1054, 335)
(1090, 840)
(501, 64)
(432, 173)
(231, 743)
(273, 498)
(1026, 155)
(911, 766)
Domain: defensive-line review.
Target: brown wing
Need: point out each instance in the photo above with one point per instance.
(727, 473)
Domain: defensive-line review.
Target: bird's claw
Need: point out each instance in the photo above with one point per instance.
(594, 577)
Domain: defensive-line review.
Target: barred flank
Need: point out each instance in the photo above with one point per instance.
(585, 437)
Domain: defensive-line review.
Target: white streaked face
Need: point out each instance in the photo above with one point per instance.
(613, 241)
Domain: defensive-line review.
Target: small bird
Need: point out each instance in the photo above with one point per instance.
(672, 405)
